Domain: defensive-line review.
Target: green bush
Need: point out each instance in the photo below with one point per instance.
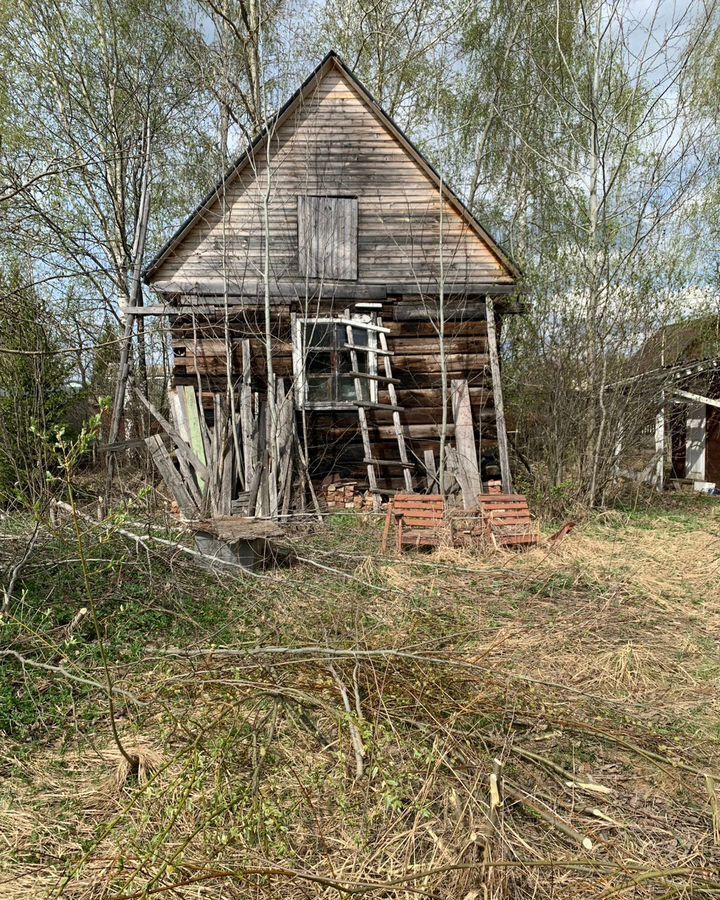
(34, 393)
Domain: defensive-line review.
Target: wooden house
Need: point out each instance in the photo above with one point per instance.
(380, 291)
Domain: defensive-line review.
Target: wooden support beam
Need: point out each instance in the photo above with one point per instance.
(698, 398)
(660, 449)
(454, 290)
(505, 474)
(467, 302)
(253, 293)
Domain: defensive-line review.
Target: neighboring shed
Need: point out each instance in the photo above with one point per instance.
(680, 363)
(335, 237)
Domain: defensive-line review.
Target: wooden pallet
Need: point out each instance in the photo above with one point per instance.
(507, 520)
(419, 521)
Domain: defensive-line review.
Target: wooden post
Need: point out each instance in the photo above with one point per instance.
(433, 484)
(465, 442)
(660, 447)
(502, 440)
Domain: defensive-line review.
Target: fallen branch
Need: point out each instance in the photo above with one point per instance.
(355, 738)
(142, 539)
(366, 887)
(17, 569)
(547, 815)
(61, 670)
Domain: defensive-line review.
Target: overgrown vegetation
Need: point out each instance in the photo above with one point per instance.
(319, 731)
(35, 396)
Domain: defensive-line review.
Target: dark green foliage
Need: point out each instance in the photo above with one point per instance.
(35, 396)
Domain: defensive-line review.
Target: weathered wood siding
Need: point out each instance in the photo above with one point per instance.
(332, 144)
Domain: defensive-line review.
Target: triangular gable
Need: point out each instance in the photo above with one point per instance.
(505, 270)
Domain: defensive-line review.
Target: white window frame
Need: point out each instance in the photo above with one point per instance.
(299, 354)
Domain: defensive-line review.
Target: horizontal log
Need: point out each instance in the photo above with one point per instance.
(463, 308)
(431, 345)
(419, 329)
(432, 397)
(251, 293)
(456, 362)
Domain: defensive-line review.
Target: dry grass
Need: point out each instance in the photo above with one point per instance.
(585, 676)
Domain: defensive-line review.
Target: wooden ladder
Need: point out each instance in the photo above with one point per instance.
(363, 405)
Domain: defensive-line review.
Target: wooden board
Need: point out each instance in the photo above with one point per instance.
(327, 236)
(194, 427)
(171, 476)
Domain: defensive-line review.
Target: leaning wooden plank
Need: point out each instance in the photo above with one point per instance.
(179, 413)
(246, 413)
(287, 488)
(193, 419)
(505, 474)
(262, 505)
(171, 476)
(211, 492)
(284, 434)
(194, 478)
(226, 489)
(454, 470)
(223, 450)
(465, 442)
(184, 449)
(430, 468)
(220, 504)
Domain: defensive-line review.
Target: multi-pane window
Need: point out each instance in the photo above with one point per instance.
(327, 377)
(327, 237)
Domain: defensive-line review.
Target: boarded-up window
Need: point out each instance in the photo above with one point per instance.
(327, 237)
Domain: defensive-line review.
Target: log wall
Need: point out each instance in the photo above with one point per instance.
(334, 439)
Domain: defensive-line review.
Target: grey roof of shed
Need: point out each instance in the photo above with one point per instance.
(331, 60)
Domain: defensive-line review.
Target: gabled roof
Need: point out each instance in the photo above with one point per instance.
(331, 60)
(688, 341)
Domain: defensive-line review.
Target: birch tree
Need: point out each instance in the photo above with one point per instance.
(591, 192)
